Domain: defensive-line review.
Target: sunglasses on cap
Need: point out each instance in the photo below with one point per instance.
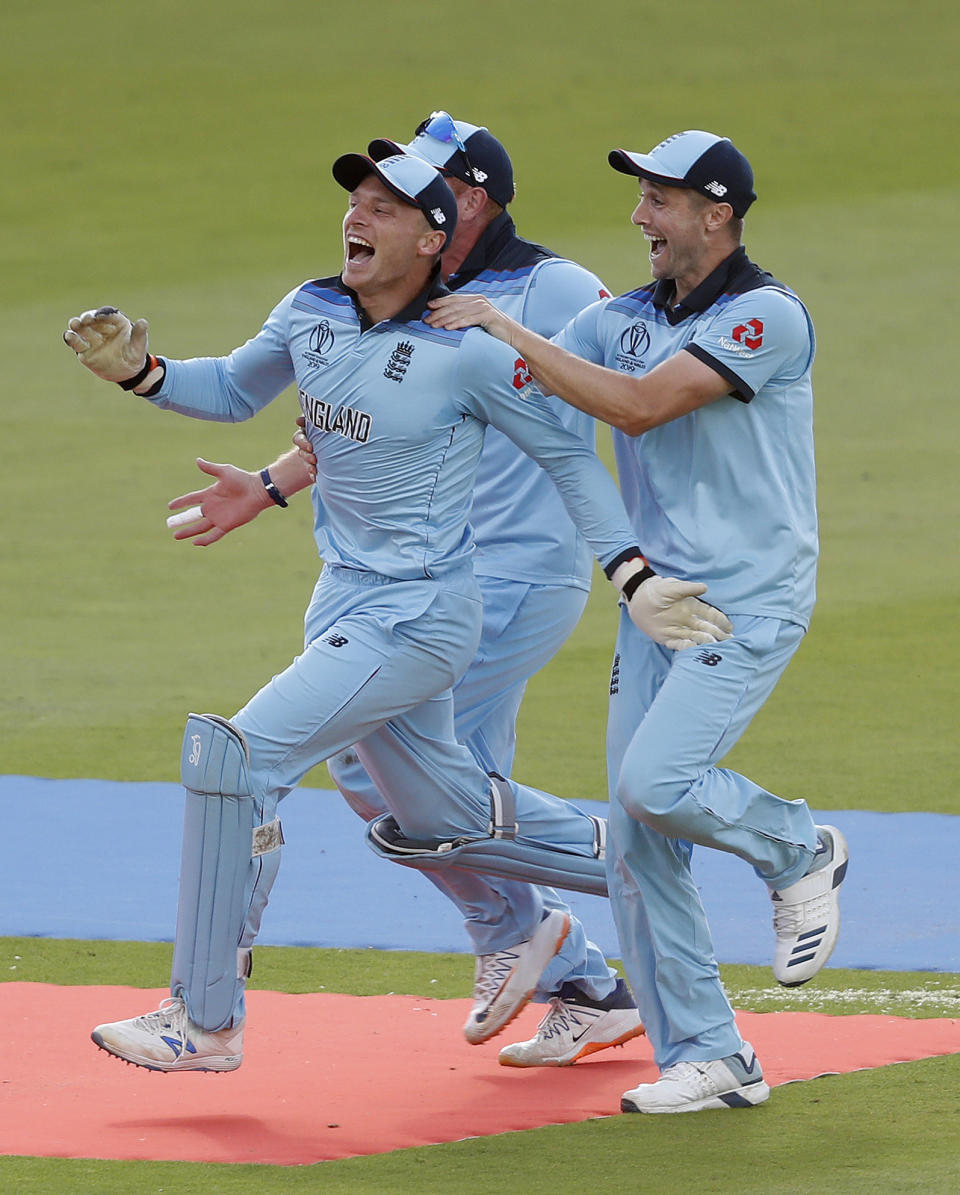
(441, 127)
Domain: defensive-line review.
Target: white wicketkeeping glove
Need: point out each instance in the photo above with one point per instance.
(668, 610)
(109, 345)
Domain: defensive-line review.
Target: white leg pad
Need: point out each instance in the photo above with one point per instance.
(224, 850)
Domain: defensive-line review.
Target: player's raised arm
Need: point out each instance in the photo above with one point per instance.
(227, 389)
(632, 404)
(500, 390)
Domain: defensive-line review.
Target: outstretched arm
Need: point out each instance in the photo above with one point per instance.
(499, 391)
(226, 389)
(633, 404)
(235, 498)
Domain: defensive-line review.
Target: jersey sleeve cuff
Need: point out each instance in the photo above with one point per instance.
(611, 566)
(740, 389)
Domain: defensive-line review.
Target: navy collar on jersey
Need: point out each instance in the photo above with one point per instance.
(498, 247)
(736, 272)
(494, 238)
(413, 311)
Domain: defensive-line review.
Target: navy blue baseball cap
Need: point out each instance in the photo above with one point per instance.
(466, 151)
(699, 161)
(410, 178)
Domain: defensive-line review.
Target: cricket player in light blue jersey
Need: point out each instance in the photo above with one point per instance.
(396, 411)
(534, 570)
(705, 376)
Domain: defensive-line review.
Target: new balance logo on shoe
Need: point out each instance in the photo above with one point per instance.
(178, 1047)
(149, 1040)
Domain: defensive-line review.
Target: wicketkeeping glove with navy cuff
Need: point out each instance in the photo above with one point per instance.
(666, 609)
(115, 349)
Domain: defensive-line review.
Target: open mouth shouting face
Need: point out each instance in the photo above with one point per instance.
(358, 249)
(381, 238)
(671, 221)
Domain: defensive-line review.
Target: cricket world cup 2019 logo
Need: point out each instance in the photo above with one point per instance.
(321, 338)
(634, 342)
(194, 756)
(319, 343)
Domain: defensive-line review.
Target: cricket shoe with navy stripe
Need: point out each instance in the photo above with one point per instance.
(506, 979)
(167, 1040)
(576, 1026)
(732, 1082)
(806, 915)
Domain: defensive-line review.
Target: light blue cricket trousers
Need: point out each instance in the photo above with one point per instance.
(524, 626)
(673, 716)
(380, 660)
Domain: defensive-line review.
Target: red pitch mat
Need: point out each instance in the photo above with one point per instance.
(327, 1076)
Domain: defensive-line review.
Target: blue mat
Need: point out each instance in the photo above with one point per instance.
(99, 859)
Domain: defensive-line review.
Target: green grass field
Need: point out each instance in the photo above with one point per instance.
(173, 159)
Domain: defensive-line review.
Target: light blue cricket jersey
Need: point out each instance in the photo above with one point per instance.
(520, 524)
(396, 413)
(727, 493)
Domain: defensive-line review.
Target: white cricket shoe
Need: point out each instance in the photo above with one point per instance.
(576, 1026)
(734, 1082)
(167, 1040)
(505, 981)
(806, 915)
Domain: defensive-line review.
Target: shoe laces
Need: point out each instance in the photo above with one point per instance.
(562, 1017)
(687, 1072)
(791, 918)
(169, 1014)
(493, 970)
(556, 1019)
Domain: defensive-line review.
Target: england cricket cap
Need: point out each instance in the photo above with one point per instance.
(702, 162)
(411, 179)
(465, 151)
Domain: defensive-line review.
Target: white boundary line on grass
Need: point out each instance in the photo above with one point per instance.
(883, 999)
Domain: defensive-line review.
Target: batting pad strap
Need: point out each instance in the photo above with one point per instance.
(600, 837)
(215, 759)
(503, 857)
(266, 839)
(503, 808)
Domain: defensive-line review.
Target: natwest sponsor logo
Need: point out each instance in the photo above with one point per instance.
(750, 334)
(521, 375)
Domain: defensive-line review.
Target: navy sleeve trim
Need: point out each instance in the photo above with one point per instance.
(740, 389)
(621, 558)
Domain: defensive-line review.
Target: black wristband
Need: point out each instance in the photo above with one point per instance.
(149, 365)
(271, 488)
(632, 584)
